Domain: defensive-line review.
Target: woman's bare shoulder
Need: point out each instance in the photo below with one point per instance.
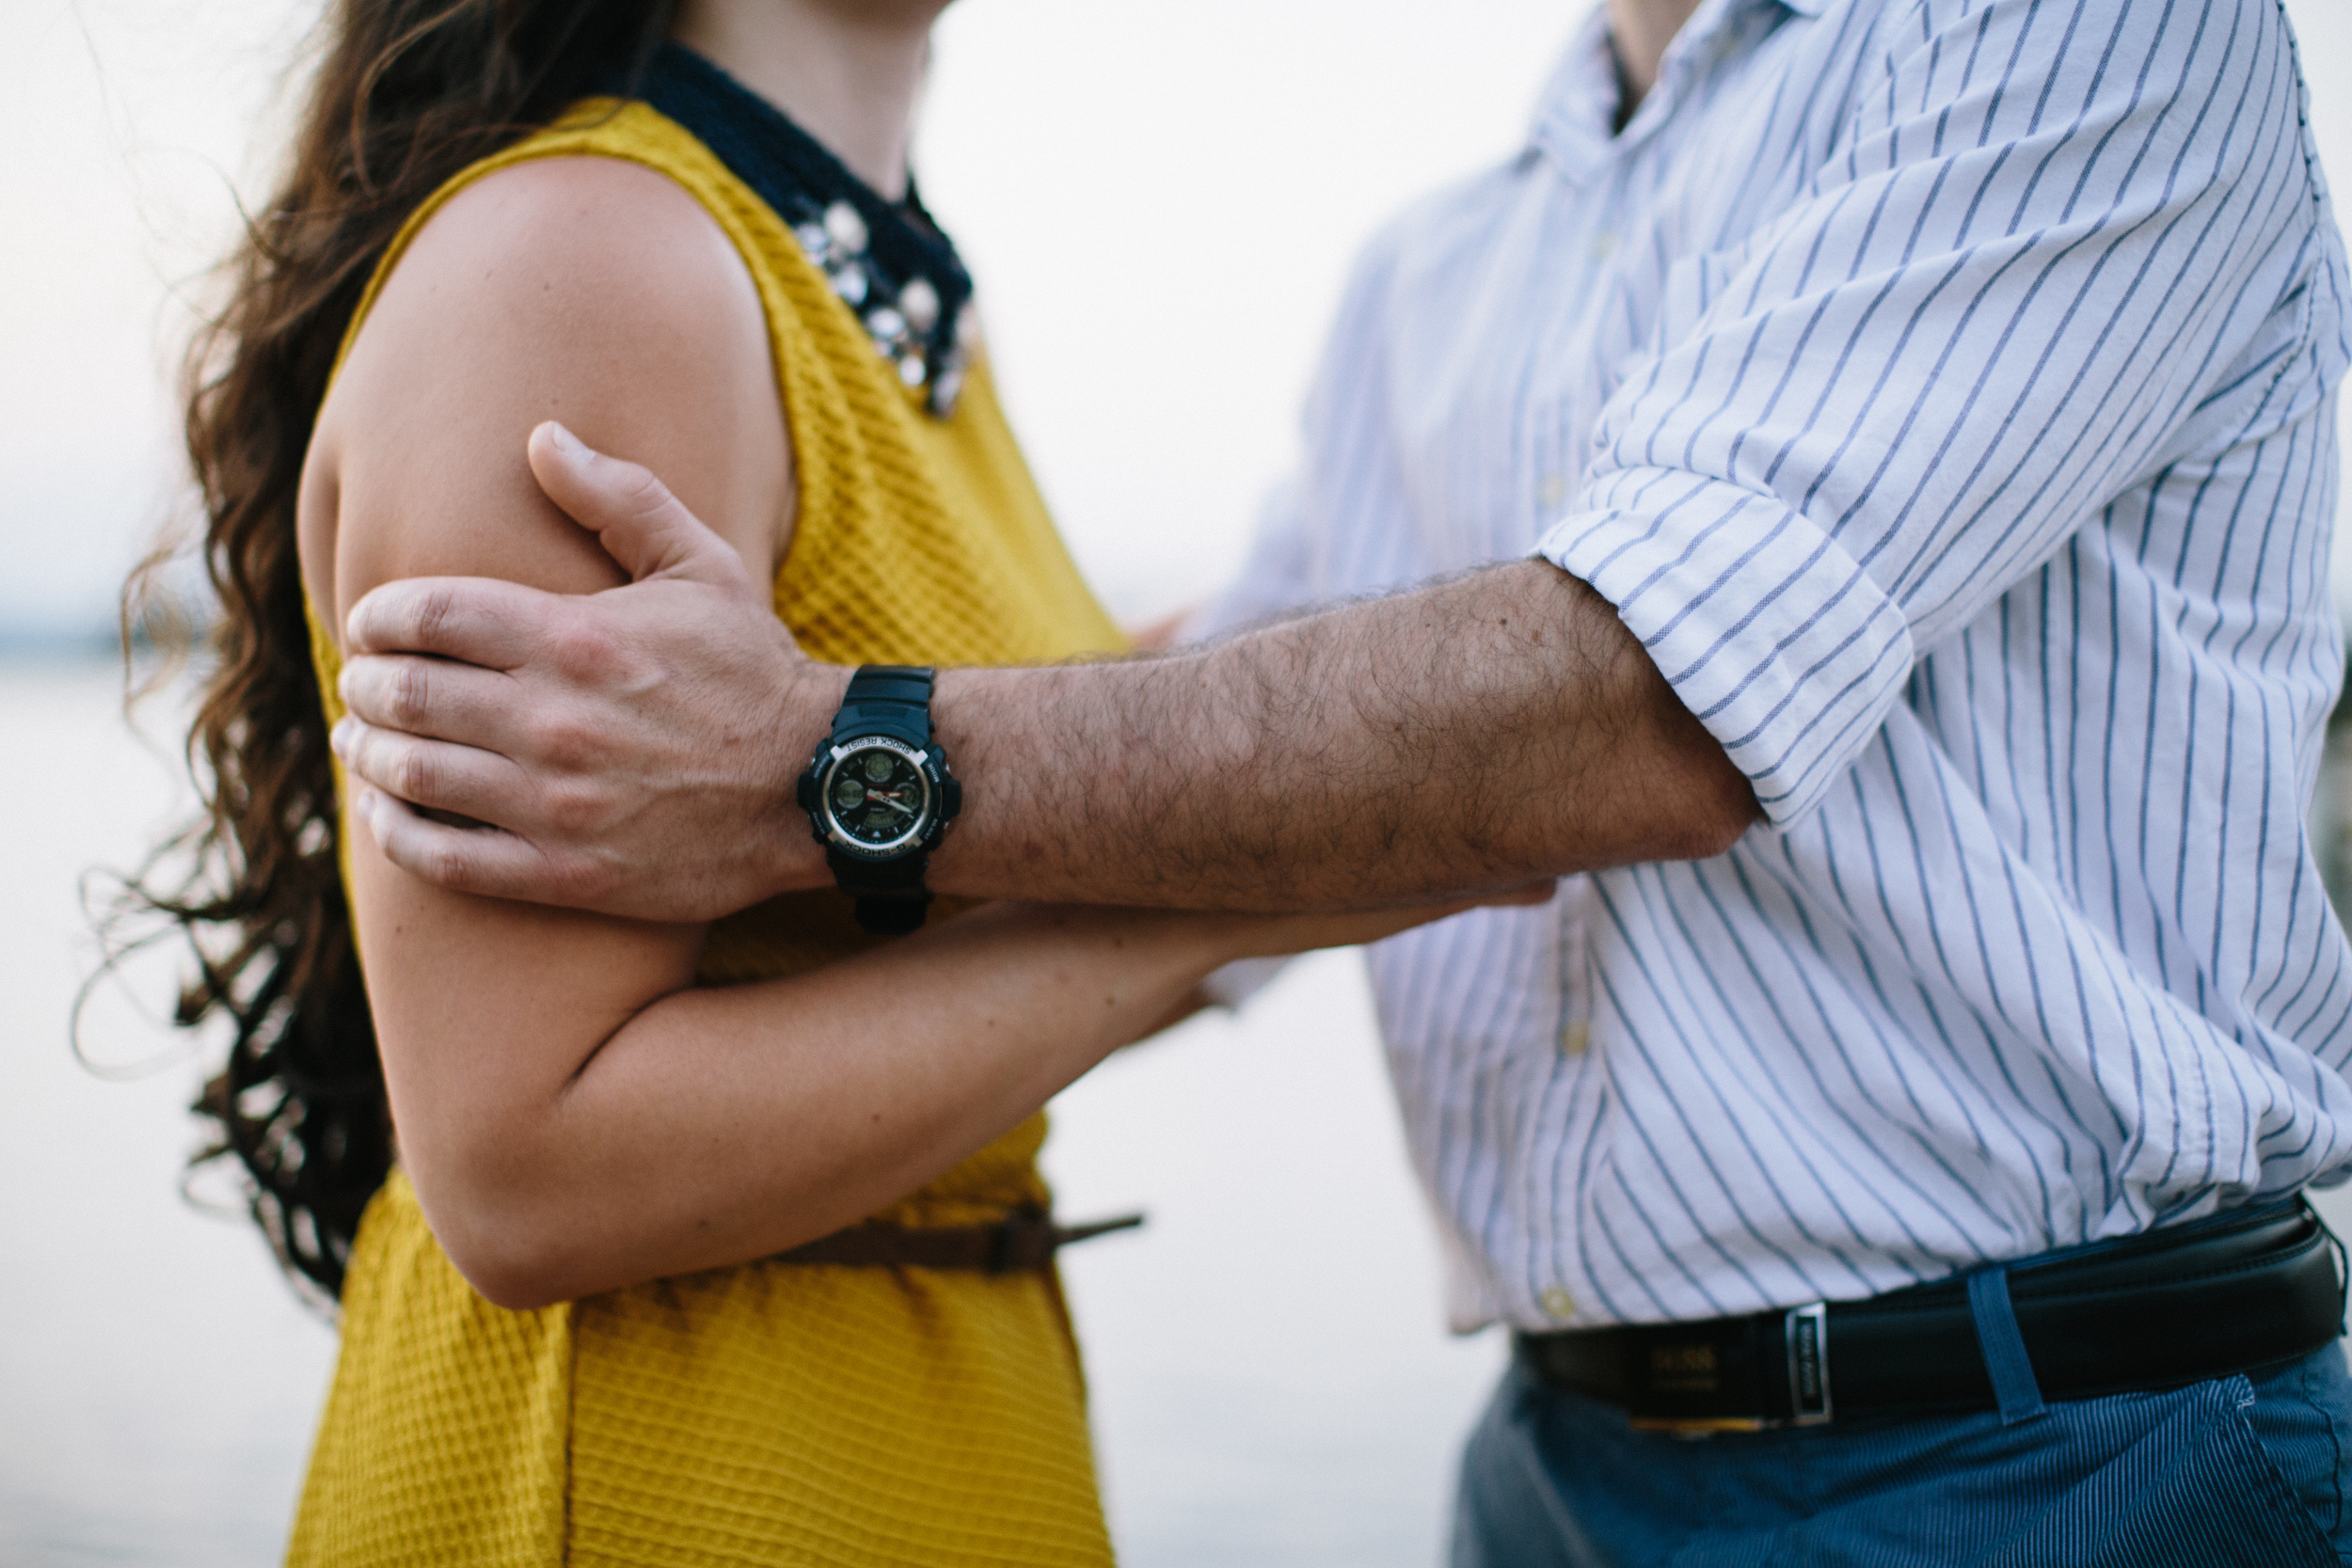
(589, 290)
(616, 255)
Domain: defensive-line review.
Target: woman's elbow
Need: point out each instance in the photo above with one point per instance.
(502, 1236)
(515, 1282)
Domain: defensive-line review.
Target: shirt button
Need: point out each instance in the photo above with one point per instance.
(1557, 1303)
(1575, 1037)
(1550, 493)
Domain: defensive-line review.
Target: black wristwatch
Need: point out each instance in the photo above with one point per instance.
(879, 796)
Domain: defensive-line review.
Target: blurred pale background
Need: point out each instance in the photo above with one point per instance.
(1160, 202)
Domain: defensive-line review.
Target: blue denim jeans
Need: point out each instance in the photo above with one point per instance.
(2241, 1470)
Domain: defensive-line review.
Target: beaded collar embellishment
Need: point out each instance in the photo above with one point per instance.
(904, 318)
(887, 261)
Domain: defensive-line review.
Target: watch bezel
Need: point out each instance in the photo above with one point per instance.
(925, 762)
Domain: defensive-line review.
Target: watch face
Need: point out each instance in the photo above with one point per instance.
(877, 797)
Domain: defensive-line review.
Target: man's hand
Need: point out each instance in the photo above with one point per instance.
(632, 751)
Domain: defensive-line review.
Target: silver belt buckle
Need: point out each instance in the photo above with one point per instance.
(1808, 1364)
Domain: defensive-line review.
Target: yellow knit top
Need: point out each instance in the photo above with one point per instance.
(767, 1413)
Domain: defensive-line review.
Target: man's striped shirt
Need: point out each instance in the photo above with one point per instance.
(1944, 392)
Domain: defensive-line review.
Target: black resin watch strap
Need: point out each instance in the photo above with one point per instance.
(899, 695)
(891, 898)
(890, 895)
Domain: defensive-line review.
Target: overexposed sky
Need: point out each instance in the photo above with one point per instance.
(1160, 201)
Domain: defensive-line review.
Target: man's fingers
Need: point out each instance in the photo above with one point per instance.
(481, 861)
(432, 774)
(433, 697)
(482, 621)
(642, 527)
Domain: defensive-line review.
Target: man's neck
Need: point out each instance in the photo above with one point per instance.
(847, 71)
(1640, 30)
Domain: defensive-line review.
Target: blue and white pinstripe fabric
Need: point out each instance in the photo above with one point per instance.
(1944, 392)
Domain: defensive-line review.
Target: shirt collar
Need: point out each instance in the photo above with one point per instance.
(1572, 117)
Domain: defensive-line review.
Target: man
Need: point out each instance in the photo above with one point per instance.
(1906, 427)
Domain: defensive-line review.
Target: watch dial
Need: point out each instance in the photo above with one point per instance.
(878, 797)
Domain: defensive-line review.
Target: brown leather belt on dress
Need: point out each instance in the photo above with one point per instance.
(1022, 1243)
(2237, 1291)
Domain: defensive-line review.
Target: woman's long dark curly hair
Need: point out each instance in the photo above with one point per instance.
(407, 92)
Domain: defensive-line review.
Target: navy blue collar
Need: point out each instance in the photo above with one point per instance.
(889, 262)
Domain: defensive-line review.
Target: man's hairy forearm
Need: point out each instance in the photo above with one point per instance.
(1458, 738)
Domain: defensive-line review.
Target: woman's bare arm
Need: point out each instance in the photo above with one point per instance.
(575, 1116)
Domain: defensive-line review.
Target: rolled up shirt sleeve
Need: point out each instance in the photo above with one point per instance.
(2017, 287)
(1789, 673)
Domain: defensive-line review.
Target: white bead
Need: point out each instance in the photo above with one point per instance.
(920, 302)
(886, 326)
(846, 228)
(850, 283)
(814, 241)
(911, 370)
(944, 391)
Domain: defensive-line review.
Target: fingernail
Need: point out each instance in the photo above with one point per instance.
(339, 739)
(565, 442)
(363, 806)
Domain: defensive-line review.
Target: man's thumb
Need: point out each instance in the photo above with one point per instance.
(642, 526)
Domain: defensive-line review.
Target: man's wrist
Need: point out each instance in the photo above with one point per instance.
(958, 697)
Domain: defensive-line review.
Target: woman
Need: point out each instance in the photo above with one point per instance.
(682, 1259)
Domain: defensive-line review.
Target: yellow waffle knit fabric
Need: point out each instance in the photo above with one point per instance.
(769, 1413)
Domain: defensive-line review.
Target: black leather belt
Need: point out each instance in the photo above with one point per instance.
(1021, 1242)
(2237, 1291)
